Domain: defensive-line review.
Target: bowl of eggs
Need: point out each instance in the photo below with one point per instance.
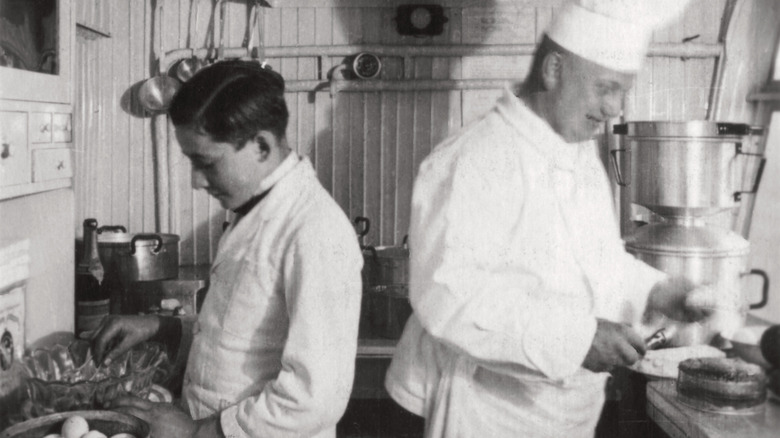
(80, 424)
(66, 378)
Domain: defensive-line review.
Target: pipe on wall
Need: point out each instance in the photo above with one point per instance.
(671, 50)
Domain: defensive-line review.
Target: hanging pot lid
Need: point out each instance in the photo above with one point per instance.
(689, 129)
(686, 240)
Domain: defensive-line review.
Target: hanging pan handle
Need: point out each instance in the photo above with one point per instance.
(221, 49)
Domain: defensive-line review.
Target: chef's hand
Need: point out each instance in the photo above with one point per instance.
(118, 333)
(614, 345)
(680, 299)
(166, 420)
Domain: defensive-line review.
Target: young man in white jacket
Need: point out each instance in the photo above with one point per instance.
(274, 345)
(523, 294)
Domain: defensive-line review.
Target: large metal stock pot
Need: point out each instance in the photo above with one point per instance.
(705, 255)
(691, 168)
(138, 256)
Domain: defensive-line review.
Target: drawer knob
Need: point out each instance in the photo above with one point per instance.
(61, 165)
(6, 152)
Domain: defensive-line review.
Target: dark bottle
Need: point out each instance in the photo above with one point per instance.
(92, 299)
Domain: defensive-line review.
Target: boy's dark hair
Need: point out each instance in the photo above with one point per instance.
(231, 101)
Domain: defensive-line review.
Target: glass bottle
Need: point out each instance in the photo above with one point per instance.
(92, 300)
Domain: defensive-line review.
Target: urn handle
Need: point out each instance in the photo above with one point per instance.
(764, 289)
(759, 172)
(616, 165)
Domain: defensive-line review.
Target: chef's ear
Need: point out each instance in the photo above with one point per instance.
(265, 141)
(551, 70)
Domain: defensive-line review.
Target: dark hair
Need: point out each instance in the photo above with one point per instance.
(231, 101)
(534, 82)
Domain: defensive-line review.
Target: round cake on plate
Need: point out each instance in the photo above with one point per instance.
(724, 385)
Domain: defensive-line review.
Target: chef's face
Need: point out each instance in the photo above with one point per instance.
(586, 96)
(228, 173)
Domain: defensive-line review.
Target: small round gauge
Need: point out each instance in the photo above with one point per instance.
(421, 18)
(366, 65)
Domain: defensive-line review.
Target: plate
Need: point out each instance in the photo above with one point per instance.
(663, 363)
(158, 394)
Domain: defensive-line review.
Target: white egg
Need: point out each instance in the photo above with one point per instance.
(123, 435)
(74, 427)
(94, 434)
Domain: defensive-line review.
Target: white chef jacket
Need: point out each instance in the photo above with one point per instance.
(274, 347)
(515, 251)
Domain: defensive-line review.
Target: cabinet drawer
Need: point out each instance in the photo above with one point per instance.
(61, 128)
(51, 164)
(40, 128)
(14, 152)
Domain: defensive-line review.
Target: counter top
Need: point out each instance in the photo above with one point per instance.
(681, 421)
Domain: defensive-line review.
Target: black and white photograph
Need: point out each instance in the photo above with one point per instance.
(389, 219)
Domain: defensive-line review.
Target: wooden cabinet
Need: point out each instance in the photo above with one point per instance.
(36, 95)
(37, 40)
(36, 144)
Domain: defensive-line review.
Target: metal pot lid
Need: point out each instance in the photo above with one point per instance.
(672, 238)
(141, 239)
(690, 129)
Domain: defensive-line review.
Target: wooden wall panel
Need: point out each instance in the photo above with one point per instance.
(389, 128)
(366, 147)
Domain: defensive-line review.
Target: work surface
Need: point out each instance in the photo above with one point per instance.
(681, 421)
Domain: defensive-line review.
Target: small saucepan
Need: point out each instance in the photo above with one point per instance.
(156, 93)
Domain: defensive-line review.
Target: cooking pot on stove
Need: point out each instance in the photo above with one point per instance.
(690, 168)
(385, 268)
(138, 256)
(705, 255)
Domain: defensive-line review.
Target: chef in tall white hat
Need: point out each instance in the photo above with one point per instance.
(523, 294)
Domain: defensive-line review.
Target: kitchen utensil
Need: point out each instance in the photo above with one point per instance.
(660, 338)
(705, 255)
(107, 422)
(221, 48)
(186, 68)
(388, 268)
(139, 257)
(66, 378)
(156, 93)
(254, 17)
(687, 168)
(362, 226)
